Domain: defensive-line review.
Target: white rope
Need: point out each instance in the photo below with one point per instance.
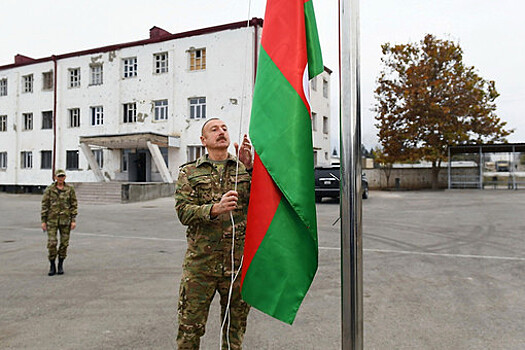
(227, 311)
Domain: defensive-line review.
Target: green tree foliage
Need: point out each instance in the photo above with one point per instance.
(427, 99)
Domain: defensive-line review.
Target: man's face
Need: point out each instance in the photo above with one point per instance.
(60, 178)
(215, 135)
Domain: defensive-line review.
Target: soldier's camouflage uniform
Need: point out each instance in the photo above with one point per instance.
(59, 209)
(207, 264)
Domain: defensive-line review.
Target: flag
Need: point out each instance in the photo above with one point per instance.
(280, 253)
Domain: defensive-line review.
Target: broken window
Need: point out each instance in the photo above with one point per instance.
(197, 59)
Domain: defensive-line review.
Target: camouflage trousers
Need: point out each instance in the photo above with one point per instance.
(52, 241)
(195, 296)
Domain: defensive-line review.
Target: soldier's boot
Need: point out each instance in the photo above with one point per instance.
(52, 268)
(60, 266)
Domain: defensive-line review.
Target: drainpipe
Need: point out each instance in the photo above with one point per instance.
(54, 115)
(256, 44)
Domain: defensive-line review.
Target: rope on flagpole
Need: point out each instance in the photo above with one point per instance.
(234, 275)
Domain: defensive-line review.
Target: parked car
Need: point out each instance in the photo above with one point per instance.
(327, 183)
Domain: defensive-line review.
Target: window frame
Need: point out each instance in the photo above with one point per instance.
(47, 81)
(129, 67)
(97, 115)
(96, 77)
(129, 113)
(26, 160)
(3, 160)
(49, 124)
(193, 152)
(160, 111)
(46, 159)
(326, 127)
(197, 63)
(72, 163)
(27, 121)
(3, 87)
(160, 62)
(3, 123)
(197, 110)
(28, 81)
(314, 121)
(73, 117)
(99, 157)
(74, 78)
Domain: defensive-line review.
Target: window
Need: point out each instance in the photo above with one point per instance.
(130, 112)
(27, 121)
(164, 152)
(71, 160)
(314, 121)
(3, 123)
(326, 155)
(197, 59)
(74, 117)
(198, 108)
(27, 81)
(74, 77)
(130, 67)
(96, 74)
(125, 159)
(3, 160)
(47, 80)
(313, 83)
(3, 87)
(47, 120)
(97, 115)
(161, 62)
(325, 125)
(315, 158)
(194, 152)
(99, 157)
(161, 110)
(26, 160)
(325, 88)
(45, 159)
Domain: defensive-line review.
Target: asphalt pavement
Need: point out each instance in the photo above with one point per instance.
(442, 270)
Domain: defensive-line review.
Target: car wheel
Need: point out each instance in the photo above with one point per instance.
(365, 193)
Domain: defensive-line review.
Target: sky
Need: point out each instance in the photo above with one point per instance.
(491, 34)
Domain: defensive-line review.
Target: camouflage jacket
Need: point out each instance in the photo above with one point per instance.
(199, 186)
(59, 205)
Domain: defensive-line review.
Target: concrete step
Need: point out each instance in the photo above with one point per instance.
(99, 192)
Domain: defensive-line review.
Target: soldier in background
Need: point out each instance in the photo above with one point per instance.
(205, 197)
(59, 210)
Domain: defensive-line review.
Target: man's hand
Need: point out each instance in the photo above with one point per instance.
(228, 203)
(245, 152)
(73, 225)
(44, 226)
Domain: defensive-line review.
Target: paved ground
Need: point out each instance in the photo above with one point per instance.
(443, 270)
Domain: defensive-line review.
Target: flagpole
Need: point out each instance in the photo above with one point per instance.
(350, 153)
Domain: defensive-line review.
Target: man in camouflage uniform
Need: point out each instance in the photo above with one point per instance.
(59, 210)
(205, 196)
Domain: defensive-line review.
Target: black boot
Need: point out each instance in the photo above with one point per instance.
(52, 268)
(60, 268)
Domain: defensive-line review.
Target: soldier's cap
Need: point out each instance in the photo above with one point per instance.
(60, 172)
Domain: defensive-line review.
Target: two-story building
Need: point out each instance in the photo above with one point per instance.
(133, 112)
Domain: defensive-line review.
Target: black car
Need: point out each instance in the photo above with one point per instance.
(327, 183)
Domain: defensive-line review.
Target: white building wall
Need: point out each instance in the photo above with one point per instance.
(321, 107)
(227, 84)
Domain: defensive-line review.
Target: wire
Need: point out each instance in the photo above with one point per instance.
(227, 311)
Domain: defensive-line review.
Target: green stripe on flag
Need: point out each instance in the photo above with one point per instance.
(289, 273)
(281, 132)
(315, 59)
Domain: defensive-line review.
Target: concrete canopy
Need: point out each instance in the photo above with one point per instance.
(132, 140)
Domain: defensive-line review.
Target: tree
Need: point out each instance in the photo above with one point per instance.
(427, 100)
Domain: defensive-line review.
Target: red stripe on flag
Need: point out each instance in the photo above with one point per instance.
(264, 200)
(284, 32)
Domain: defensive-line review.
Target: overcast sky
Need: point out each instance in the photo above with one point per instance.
(490, 32)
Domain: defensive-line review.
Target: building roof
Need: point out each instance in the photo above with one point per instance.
(487, 148)
(156, 35)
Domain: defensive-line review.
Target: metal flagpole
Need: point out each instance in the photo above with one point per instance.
(350, 152)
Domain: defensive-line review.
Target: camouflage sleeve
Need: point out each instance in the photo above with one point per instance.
(45, 206)
(186, 202)
(73, 205)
